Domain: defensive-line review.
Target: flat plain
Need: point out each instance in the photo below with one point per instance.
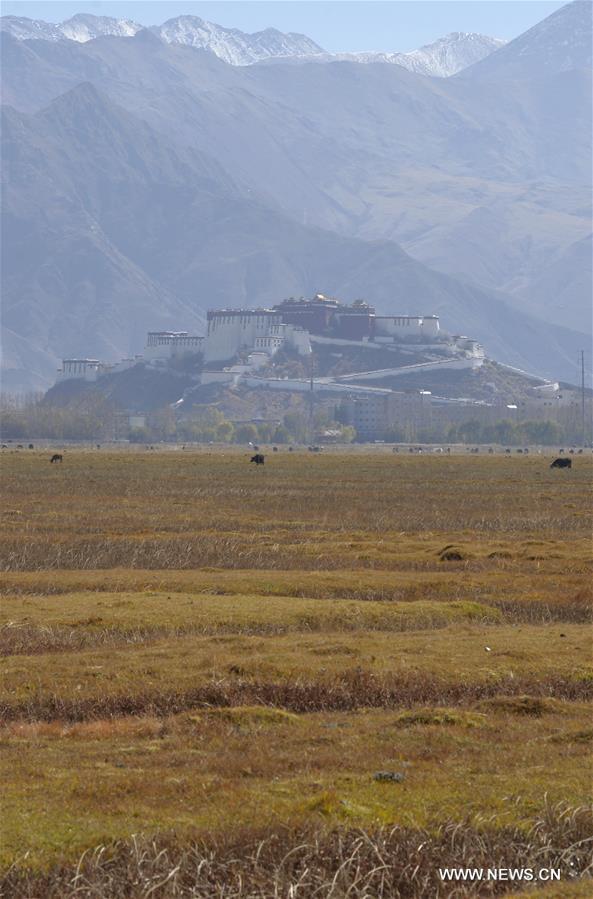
(329, 675)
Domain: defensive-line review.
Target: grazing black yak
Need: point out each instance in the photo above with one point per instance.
(561, 463)
(258, 459)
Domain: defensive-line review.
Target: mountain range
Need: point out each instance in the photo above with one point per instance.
(442, 58)
(146, 181)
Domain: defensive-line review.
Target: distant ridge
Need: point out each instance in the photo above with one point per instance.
(145, 181)
(143, 230)
(229, 44)
(442, 58)
(560, 43)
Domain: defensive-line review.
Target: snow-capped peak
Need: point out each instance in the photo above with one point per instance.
(449, 55)
(446, 56)
(231, 45)
(234, 46)
(79, 28)
(24, 29)
(84, 27)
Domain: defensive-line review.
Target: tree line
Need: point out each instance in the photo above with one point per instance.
(93, 418)
(504, 432)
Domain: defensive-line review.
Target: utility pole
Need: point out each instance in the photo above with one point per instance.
(311, 398)
(583, 425)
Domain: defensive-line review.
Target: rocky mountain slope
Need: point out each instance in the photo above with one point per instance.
(229, 44)
(232, 45)
(322, 174)
(441, 59)
(560, 43)
(371, 151)
(449, 54)
(81, 27)
(110, 230)
(444, 57)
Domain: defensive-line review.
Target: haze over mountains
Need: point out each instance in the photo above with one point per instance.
(444, 57)
(560, 43)
(147, 181)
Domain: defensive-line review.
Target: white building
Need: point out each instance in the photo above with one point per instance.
(471, 348)
(257, 334)
(167, 344)
(91, 369)
(262, 330)
(82, 369)
(400, 327)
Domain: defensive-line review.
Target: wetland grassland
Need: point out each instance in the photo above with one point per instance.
(328, 676)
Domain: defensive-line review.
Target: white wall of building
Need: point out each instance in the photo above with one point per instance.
(258, 329)
(82, 369)
(298, 339)
(269, 344)
(167, 344)
(402, 326)
(230, 331)
(431, 327)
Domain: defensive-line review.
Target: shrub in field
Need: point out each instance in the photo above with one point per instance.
(248, 717)
(386, 863)
(439, 717)
(574, 736)
(535, 706)
(347, 691)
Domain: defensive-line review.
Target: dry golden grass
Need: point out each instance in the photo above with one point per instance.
(396, 862)
(192, 645)
(74, 784)
(298, 512)
(91, 620)
(199, 666)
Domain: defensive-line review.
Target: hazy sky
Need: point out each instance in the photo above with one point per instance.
(334, 24)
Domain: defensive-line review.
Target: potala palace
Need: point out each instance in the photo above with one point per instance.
(240, 347)
(256, 335)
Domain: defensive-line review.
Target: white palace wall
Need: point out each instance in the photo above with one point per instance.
(232, 330)
(261, 330)
(402, 326)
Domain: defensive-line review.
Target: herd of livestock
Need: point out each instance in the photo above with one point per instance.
(259, 458)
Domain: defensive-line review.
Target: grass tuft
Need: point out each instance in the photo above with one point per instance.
(395, 862)
(535, 706)
(575, 736)
(249, 716)
(351, 690)
(440, 717)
